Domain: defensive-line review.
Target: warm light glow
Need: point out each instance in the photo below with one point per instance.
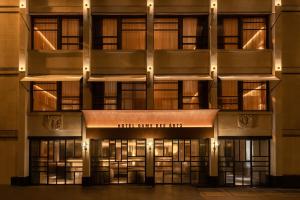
(44, 38)
(45, 92)
(213, 3)
(253, 38)
(22, 4)
(85, 145)
(86, 3)
(277, 2)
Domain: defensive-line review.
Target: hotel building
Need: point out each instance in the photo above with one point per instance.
(200, 92)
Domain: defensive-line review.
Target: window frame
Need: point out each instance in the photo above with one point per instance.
(240, 98)
(59, 97)
(59, 35)
(200, 18)
(97, 31)
(220, 28)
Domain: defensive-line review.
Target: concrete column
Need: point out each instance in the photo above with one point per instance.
(213, 100)
(150, 54)
(23, 143)
(276, 94)
(86, 103)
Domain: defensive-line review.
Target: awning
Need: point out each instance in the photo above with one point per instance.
(182, 77)
(117, 78)
(149, 118)
(261, 77)
(45, 78)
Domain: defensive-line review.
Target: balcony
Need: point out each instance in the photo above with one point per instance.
(250, 123)
(179, 6)
(249, 6)
(119, 6)
(112, 62)
(54, 62)
(56, 6)
(245, 61)
(181, 62)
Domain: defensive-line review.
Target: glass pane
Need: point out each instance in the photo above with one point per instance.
(229, 95)
(254, 33)
(70, 96)
(254, 96)
(44, 96)
(45, 33)
(230, 34)
(166, 33)
(70, 34)
(133, 33)
(166, 95)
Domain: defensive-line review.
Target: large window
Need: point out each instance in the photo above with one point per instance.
(117, 32)
(55, 161)
(242, 32)
(244, 161)
(55, 96)
(181, 32)
(247, 95)
(57, 32)
(173, 95)
(119, 95)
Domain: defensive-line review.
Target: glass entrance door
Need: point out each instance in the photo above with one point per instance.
(181, 161)
(118, 161)
(244, 162)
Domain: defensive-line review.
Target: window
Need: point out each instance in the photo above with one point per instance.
(119, 95)
(242, 32)
(119, 32)
(181, 32)
(57, 32)
(55, 96)
(239, 95)
(56, 161)
(175, 95)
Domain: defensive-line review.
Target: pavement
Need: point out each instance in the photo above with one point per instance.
(132, 192)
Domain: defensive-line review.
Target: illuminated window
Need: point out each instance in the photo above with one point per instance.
(242, 32)
(55, 96)
(181, 32)
(166, 95)
(119, 95)
(239, 95)
(57, 32)
(117, 32)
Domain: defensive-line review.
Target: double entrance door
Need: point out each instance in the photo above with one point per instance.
(175, 161)
(118, 161)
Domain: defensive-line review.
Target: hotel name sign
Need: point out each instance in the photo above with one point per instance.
(149, 118)
(139, 125)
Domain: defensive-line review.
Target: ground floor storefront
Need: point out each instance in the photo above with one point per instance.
(141, 161)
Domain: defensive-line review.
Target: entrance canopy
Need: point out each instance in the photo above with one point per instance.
(150, 118)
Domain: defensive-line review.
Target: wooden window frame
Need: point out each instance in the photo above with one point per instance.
(59, 19)
(58, 98)
(221, 43)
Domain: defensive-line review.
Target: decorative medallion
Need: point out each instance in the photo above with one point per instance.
(53, 122)
(245, 121)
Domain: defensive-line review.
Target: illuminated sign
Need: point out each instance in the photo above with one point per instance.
(149, 118)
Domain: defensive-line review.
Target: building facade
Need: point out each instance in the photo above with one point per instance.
(200, 92)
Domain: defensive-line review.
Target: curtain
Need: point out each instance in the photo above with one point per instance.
(133, 33)
(229, 96)
(166, 95)
(230, 34)
(109, 33)
(70, 95)
(133, 96)
(71, 34)
(189, 33)
(254, 33)
(45, 34)
(45, 96)
(254, 96)
(110, 96)
(190, 95)
(166, 33)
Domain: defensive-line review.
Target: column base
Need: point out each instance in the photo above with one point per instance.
(20, 181)
(150, 181)
(290, 181)
(86, 181)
